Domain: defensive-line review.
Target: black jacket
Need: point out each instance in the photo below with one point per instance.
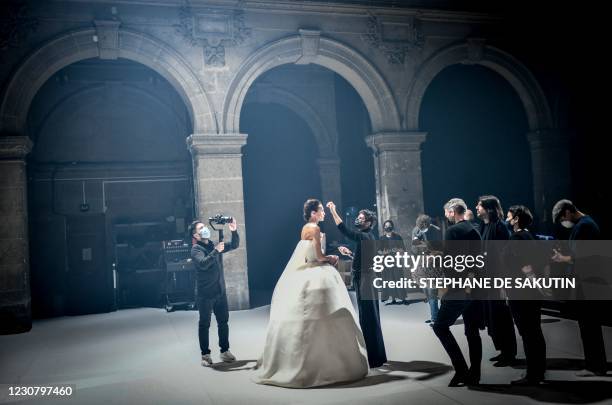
(356, 236)
(207, 261)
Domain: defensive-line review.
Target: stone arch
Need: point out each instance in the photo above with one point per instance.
(331, 54)
(97, 87)
(75, 46)
(326, 139)
(520, 78)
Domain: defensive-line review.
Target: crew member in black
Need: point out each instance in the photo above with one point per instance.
(457, 301)
(392, 242)
(206, 257)
(369, 314)
(498, 317)
(526, 312)
(583, 228)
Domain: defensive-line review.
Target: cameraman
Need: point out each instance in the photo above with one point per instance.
(206, 258)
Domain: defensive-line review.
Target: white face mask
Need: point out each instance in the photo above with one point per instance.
(205, 233)
(567, 224)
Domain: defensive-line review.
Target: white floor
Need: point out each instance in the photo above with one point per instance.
(148, 356)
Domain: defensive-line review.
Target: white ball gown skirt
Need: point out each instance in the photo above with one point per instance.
(313, 336)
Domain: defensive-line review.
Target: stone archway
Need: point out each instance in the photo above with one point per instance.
(328, 161)
(311, 47)
(326, 140)
(549, 148)
(108, 43)
(473, 52)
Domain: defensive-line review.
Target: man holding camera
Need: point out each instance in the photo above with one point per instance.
(206, 257)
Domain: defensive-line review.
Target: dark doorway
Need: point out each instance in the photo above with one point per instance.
(476, 142)
(280, 173)
(89, 281)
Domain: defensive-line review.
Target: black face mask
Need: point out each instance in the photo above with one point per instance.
(388, 229)
(359, 224)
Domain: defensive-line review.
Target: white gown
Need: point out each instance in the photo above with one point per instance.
(313, 336)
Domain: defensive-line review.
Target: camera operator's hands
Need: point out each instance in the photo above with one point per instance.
(233, 225)
(220, 247)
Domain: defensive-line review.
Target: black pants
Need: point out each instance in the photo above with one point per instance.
(369, 319)
(501, 327)
(207, 306)
(587, 313)
(449, 312)
(527, 318)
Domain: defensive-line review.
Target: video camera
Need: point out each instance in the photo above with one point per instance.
(219, 219)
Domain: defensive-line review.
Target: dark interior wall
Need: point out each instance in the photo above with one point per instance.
(562, 45)
(476, 142)
(356, 159)
(110, 167)
(280, 173)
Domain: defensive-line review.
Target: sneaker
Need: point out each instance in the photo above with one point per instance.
(227, 357)
(207, 360)
(589, 373)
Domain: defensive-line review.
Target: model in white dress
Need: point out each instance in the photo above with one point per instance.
(313, 335)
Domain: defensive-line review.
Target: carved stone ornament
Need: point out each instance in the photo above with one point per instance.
(214, 30)
(395, 38)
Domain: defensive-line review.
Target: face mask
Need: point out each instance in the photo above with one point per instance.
(205, 233)
(358, 223)
(388, 229)
(567, 224)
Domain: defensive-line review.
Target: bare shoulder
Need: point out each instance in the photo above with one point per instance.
(310, 230)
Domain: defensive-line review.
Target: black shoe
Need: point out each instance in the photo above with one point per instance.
(497, 358)
(458, 380)
(429, 321)
(527, 382)
(505, 362)
(472, 378)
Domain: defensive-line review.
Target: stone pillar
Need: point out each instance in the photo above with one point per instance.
(217, 176)
(331, 190)
(15, 298)
(550, 164)
(399, 182)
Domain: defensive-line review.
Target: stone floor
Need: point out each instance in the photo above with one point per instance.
(148, 356)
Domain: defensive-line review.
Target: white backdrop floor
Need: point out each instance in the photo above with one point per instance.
(148, 356)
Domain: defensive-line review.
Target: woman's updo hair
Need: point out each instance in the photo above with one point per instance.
(312, 204)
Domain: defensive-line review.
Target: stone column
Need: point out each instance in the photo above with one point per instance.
(217, 176)
(550, 164)
(399, 182)
(331, 190)
(15, 298)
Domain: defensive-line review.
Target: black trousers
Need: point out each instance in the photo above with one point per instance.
(369, 319)
(218, 306)
(449, 312)
(526, 315)
(587, 313)
(500, 327)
